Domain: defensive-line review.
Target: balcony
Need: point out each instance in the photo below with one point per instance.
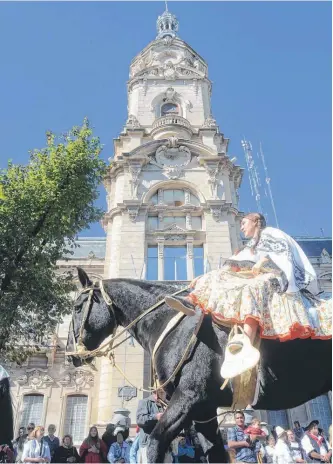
(171, 125)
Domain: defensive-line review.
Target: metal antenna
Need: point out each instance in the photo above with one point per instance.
(166, 5)
(253, 173)
(268, 182)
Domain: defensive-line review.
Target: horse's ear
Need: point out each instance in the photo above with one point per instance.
(83, 277)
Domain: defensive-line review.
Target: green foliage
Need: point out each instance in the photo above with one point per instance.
(43, 206)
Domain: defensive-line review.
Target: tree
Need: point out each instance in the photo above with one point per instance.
(43, 206)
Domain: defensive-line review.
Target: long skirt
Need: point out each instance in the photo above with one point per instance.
(234, 298)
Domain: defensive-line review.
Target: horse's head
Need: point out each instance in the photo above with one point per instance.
(93, 320)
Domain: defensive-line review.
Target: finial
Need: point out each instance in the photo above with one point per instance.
(167, 24)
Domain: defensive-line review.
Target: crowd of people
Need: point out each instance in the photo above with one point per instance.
(245, 443)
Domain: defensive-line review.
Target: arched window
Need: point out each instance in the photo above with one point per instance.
(174, 197)
(169, 108)
(75, 417)
(32, 410)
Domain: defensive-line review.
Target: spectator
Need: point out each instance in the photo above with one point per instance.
(67, 452)
(315, 446)
(298, 430)
(268, 451)
(119, 451)
(246, 447)
(282, 451)
(36, 449)
(295, 447)
(52, 440)
(185, 452)
(6, 454)
(30, 428)
(149, 412)
(108, 436)
(134, 451)
(93, 449)
(18, 444)
(254, 428)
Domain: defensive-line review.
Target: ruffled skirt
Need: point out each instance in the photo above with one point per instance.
(233, 298)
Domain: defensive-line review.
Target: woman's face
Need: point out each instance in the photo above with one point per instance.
(271, 441)
(120, 438)
(248, 227)
(22, 431)
(40, 433)
(67, 441)
(93, 432)
(291, 436)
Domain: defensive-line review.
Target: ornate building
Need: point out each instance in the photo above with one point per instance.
(172, 214)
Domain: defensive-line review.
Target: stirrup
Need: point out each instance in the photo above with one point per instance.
(240, 355)
(178, 305)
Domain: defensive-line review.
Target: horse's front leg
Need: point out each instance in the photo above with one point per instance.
(172, 422)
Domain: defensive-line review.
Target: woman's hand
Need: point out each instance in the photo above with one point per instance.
(256, 269)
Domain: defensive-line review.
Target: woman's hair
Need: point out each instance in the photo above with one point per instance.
(33, 434)
(270, 437)
(93, 440)
(67, 436)
(260, 224)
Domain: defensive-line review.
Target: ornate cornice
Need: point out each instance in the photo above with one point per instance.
(36, 379)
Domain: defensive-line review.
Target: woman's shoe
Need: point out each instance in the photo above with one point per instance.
(179, 303)
(240, 356)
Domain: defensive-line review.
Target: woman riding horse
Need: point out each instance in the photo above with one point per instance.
(270, 284)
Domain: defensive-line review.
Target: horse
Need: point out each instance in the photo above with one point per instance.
(290, 373)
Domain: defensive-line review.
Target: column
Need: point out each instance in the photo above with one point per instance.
(160, 257)
(189, 260)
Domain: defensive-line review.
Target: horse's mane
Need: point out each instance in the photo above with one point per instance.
(155, 287)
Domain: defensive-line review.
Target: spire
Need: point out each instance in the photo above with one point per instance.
(166, 24)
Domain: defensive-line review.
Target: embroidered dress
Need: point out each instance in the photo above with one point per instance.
(280, 298)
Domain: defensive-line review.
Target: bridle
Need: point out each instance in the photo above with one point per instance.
(106, 348)
(79, 348)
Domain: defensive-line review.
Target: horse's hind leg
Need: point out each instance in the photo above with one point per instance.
(213, 448)
(172, 422)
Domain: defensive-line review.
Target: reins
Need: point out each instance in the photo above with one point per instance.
(107, 348)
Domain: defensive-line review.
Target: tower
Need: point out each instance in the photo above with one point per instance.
(172, 202)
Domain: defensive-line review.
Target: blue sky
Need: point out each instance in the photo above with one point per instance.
(270, 63)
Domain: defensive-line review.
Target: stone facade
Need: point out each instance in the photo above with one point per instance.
(171, 185)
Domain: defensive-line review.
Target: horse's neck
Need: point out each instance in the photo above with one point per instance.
(131, 299)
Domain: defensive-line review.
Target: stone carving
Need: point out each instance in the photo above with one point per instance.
(325, 257)
(169, 71)
(91, 255)
(173, 227)
(172, 158)
(134, 170)
(35, 379)
(174, 238)
(210, 122)
(188, 221)
(78, 380)
(133, 212)
(212, 171)
(160, 248)
(216, 212)
(170, 94)
(190, 250)
(167, 41)
(132, 122)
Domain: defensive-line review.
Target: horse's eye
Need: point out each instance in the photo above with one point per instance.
(77, 308)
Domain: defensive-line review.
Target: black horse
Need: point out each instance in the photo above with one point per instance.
(290, 373)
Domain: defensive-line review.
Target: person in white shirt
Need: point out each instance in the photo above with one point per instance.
(315, 446)
(295, 447)
(36, 449)
(282, 451)
(268, 451)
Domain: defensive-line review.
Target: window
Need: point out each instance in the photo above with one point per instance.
(179, 220)
(198, 256)
(278, 418)
(32, 410)
(169, 108)
(152, 222)
(196, 222)
(175, 263)
(174, 197)
(194, 200)
(75, 417)
(320, 409)
(152, 263)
